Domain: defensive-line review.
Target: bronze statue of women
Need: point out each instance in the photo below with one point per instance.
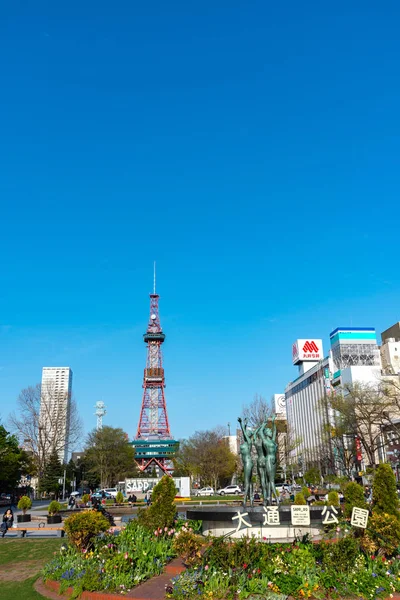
(261, 461)
(268, 437)
(245, 453)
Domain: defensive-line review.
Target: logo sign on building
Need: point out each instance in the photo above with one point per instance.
(280, 404)
(307, 350)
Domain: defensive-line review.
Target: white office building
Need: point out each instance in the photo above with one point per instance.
(306, 416)
(353, 358)
(55, 406)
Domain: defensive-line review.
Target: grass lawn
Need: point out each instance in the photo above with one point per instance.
(20, 564)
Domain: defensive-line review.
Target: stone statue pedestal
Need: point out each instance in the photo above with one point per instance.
(224, 520)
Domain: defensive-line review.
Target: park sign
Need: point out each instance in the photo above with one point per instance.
(306, 350)
(145, 484)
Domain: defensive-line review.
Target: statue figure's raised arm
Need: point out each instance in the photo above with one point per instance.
(273, 428)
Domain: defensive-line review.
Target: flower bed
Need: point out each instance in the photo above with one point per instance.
(246, 568)
(113, 563)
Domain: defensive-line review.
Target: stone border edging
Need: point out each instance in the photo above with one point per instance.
(52, 592)
(51, 589)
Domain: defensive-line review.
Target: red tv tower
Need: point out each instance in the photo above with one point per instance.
(153, 443)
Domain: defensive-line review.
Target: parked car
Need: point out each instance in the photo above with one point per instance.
(205, 491)
(99, 495)
(112, 491)
(229, 489)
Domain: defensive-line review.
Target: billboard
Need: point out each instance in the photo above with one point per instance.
(307, 350)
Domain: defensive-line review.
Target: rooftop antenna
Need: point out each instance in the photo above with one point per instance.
(154, 290)
(100, 412)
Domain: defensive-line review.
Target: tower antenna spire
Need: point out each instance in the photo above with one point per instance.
(154, 287)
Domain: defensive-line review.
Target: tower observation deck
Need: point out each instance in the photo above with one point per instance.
(153, 444)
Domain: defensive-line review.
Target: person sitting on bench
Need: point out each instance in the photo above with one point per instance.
(8, 520)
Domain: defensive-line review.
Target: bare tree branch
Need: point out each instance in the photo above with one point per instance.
(257, 412)
(46, 421)
(363, 411)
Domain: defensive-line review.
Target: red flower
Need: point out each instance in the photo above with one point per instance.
(245, 565)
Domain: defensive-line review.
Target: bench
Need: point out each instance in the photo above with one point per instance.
(22, 530)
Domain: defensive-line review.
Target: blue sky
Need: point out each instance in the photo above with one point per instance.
(250, 148)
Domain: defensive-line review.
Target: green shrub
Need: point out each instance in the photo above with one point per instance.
(85, 498)
(83, 527)
(187, 545)
(24, 503)
(382, 535)
(54, 508)
(353, 496)
(341, 555)
(119, 498)
(384, 492)
(305, 491)
(299, 498)
(285, 502)
(333, 498)
(162, 511)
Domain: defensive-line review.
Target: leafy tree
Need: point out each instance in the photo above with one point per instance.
(353, 496)
(109, 455)
(384, 492)
(162, 511)
(14, 462)
(53, 471)
(312, 476)
(207, 455)
(84, 476)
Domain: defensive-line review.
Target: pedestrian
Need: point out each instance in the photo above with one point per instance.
(8, 520)
(132, 499)
(71, 502)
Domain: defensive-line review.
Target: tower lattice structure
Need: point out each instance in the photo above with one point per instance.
(153, 421)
